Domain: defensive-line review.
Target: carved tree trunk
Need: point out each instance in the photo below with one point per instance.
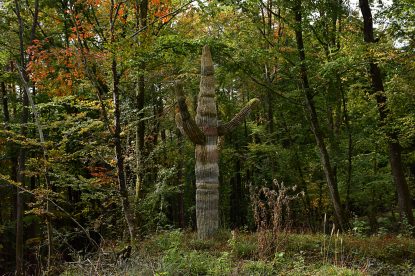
(204, 132)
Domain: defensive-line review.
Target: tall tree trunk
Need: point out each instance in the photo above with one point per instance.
(404, 196)
(140, 133)
(46, 169)
(237, 209)
(13, 150)
(19, 211)
(315, 125)
(142, 5)
(26, 99)
(5, 104)
(270, 111)
(349, 148)
(122, 186)
(21, 159)
(336, 97)
(180, 182)
(119, 154)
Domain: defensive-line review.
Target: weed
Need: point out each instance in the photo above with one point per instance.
(272, 217)
(242, 248)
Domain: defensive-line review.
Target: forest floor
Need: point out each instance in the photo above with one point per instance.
(242, 253)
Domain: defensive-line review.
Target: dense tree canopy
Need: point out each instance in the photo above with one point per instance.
(89, 145)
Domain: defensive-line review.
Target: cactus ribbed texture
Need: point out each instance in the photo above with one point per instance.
(207, 168)
(203, 132)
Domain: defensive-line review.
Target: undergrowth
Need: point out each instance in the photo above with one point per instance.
(271, 250)
(236, 253)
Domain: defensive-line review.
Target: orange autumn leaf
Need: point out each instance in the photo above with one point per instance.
(161, 9)
(55, 70)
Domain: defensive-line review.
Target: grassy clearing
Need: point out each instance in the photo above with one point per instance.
(236, 253)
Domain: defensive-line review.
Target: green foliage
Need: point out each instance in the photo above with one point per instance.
(258, 268)
(173, 252)
(177, 260)
(406, 229)
(194, 263)
(153, 207)
(242, 247)
(255, 55)
(360, 227)
(169, 240)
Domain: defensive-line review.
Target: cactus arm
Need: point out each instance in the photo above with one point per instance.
(239, 117)
(185, 122)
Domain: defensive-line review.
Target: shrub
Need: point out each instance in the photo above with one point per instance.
(169, 239)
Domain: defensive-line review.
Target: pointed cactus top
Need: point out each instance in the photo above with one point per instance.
(207, 63)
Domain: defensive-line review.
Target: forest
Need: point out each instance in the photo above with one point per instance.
(216, 137)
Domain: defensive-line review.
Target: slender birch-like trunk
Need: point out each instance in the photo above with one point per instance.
(119, 155)
(315, 124)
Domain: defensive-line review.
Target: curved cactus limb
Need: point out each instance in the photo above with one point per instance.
(239, 117)
(185, 122)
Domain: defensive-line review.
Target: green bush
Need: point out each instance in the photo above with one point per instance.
(360, 227)
(169, 240)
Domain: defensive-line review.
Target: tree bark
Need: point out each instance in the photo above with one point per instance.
(122, 186)
(19, 212)
(119, 153)
(404, 196)
(349, 148)
(180, 182)
(142, 6)
(5, 104)
(237, 208)
(21, 159)
(315, 125)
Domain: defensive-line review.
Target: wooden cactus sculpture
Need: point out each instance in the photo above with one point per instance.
(204, 132)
